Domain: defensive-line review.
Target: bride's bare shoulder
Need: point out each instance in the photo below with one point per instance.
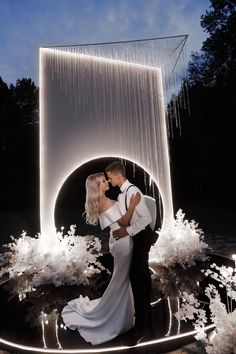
(104, 204)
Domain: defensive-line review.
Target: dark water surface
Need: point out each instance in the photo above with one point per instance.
(36, 321)
(217, 221)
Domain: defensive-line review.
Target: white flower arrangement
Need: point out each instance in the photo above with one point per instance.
(60, 260)
(223, 338)
(181, 242)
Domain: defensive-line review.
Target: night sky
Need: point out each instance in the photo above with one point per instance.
(26, 25)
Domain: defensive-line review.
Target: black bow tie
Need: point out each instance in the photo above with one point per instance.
(120, 191)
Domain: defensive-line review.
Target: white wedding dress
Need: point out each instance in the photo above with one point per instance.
(103, 319)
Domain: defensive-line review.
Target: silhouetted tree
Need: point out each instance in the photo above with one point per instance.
(25, 95)
(203, 157)
(19, 144)
(216, 64)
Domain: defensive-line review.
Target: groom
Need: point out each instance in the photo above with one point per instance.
(141, 232)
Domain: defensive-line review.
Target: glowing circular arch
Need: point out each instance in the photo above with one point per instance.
(69, 173)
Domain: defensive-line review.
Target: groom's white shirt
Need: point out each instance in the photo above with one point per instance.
(141, 216)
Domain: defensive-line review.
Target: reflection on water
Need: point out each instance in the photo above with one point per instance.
(36, 320)
(172, 281)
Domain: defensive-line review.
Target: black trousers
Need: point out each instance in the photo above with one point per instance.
(140, 279)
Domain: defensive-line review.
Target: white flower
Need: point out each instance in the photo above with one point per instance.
(61, 259)
(180, 242)
(223, 339)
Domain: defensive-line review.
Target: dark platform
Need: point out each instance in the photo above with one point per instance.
(34, 324)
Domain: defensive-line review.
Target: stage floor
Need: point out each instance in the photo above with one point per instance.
(35, 325)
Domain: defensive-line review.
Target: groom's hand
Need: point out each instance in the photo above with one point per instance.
(122, 232)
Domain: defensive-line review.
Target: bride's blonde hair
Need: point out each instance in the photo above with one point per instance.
(92, 193)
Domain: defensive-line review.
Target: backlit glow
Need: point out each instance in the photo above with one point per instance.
(86, 117)
(101, 350)
(92, 57)
(43, 330)
(170, 316)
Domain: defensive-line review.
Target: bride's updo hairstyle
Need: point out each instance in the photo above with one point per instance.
(92, 193)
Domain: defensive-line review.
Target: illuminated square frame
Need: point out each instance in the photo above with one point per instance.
(61, 136)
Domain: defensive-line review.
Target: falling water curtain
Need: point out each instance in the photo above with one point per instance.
(106, 100)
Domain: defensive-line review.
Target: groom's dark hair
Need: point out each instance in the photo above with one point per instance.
(116, 166)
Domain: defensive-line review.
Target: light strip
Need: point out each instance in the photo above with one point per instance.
(41, 130)
(108, 60)
(43, 330)
(170, 316)
(179, 324)
(154, 303)
(57, 335)
(81, 163)
(103, 350)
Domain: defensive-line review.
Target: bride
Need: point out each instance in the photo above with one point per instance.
(103, 319)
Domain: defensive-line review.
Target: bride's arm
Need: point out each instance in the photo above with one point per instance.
(125, 219)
